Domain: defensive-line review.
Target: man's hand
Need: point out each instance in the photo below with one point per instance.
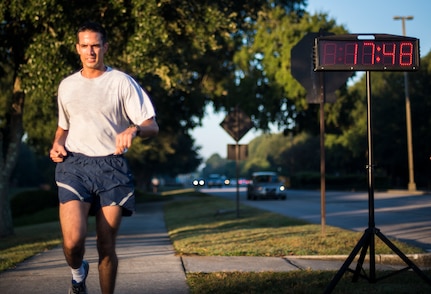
(123, 140)
(148, 128)
(57, 153)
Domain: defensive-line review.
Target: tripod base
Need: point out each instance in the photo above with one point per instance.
(367, 241)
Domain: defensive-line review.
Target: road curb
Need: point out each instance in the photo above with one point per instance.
(420, 259)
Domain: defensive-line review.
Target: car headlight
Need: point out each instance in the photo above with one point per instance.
(282, 188)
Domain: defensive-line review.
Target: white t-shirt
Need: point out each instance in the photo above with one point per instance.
(95, 110)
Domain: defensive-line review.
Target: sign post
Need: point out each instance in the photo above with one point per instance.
(237, 123)
(321, 87)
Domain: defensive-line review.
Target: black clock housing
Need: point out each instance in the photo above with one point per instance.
(366, 52)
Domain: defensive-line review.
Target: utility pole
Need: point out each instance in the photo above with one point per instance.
(412, 184)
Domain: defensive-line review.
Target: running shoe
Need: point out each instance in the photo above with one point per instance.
(80, 288)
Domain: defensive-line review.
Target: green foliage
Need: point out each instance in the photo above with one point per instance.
(346, 134)
(42, 216)
(285, 154)
(349, 130)
(32, 170)
(217, 165)
(29, 202)
(6, 82)
(265, 89)
(180, 52)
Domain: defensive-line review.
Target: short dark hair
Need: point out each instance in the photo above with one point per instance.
(93, 27)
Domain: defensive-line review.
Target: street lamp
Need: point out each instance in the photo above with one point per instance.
(412, 185)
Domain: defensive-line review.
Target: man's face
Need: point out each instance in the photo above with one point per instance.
(91, 50)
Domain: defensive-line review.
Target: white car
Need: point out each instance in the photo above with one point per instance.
(265, 185)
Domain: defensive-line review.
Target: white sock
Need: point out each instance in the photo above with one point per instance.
(78, 274)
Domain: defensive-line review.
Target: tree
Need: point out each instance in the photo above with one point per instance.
(180, 51)
(348, 126)
(215, 165)
(263, 85)
(420, 93)
(389, 128)
(184, 158)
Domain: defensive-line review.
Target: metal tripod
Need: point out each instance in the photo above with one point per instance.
(368, 238)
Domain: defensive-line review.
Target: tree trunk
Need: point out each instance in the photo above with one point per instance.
(10, 140)
(6, 224)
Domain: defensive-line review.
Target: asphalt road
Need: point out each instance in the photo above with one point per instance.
(399, 214)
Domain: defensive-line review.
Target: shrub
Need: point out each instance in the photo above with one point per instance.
(29, 202)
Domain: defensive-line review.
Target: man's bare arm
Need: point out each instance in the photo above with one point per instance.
(149, 128)
(58, 151)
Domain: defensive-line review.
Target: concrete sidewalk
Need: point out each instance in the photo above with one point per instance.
(148, 263)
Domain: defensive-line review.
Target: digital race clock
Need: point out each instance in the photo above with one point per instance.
(366, 52)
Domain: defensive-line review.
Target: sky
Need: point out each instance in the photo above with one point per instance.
(358, 17)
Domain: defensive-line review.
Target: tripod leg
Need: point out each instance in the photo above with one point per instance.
(372, 278)
(347, 263)
(361, 259)
(403, 257)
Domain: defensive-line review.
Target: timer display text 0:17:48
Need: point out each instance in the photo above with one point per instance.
(367, 55)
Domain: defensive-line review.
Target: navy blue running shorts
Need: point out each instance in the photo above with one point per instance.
(101, 181)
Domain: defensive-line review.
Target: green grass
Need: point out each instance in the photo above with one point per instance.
(28, 241)
(196, 228)
(299, 282)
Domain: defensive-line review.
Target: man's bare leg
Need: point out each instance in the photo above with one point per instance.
(73, 220)
(108, 220)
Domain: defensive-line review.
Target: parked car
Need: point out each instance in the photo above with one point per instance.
(265, 185)
(215, 180)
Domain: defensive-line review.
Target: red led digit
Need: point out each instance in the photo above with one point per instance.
(368, 53)
(329, 53)
(406, 53)
(389, 53)
(351, 54)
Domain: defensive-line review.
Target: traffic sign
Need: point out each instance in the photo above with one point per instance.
(302, 69)
(236, 123)
(232, 150)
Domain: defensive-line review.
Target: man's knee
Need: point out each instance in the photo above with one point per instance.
(74, 253)
(73, 246)
(106, 245)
